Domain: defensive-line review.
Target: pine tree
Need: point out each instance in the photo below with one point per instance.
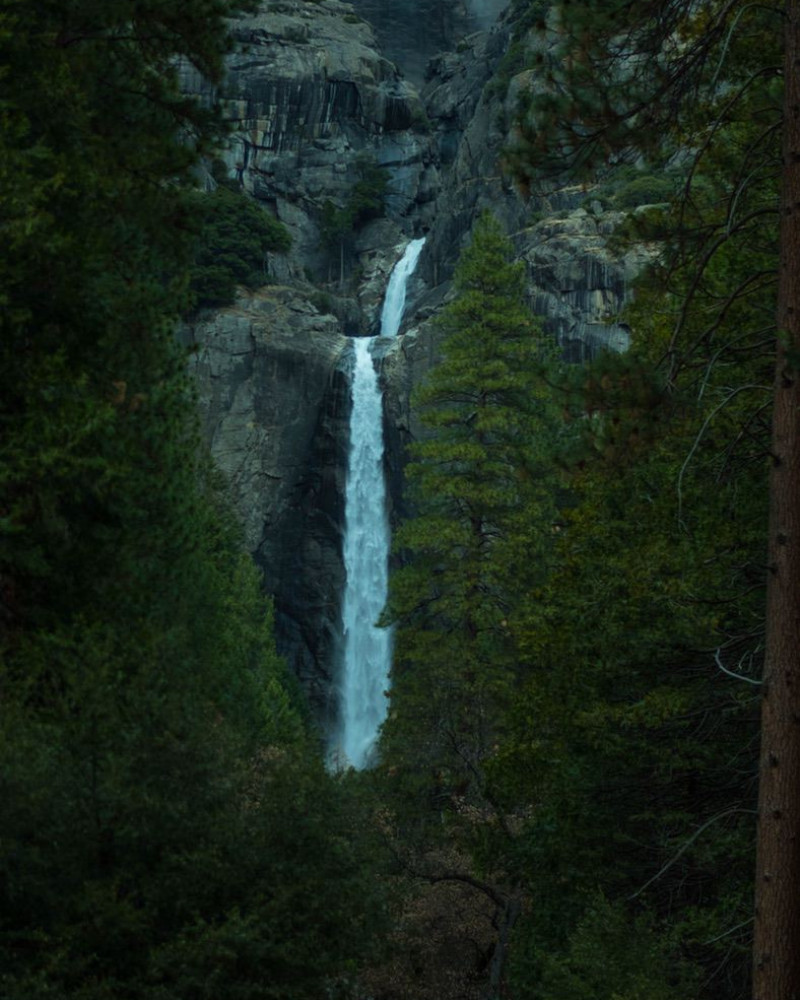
(709, 83)
(631, 746)
(481, 485)
(469, 482)
(777, 909)
(168, 828)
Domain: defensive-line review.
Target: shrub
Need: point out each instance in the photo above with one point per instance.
(234, 234)
(366, 202)
(644, 190)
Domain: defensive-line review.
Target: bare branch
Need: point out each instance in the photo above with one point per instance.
(730, 930)
(463, 877)
(733, 393)
(687, 844)
(730, 673)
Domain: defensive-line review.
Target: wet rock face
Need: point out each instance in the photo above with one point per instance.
(274, 405)
(411, 32)
(310, 97)
(467, 126)
(304, 71)
(303, 553)
(577, 284)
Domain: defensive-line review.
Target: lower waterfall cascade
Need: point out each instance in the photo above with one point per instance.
(367, 653)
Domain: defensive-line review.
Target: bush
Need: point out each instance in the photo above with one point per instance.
(644, 190)
(234, 235)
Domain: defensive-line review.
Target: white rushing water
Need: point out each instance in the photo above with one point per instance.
(368, 649)
(394, 301)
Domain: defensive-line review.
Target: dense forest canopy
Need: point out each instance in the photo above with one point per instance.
(167, 826)
(594, 752)
(706, 87)
(565, 807)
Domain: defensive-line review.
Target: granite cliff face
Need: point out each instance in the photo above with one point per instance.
(311, 98)
(576, 284)
(411, 32)
(311, 95)
(271, 378)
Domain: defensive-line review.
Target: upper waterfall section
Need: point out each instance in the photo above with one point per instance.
(394, 302)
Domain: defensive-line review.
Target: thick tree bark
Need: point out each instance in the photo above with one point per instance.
(776, 956)
(508, 918)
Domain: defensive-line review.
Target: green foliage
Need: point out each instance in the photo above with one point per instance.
(512, 62)
(470, 481)
(235, 235)
(611, 767)
(338, 225)
(618, 87)
(657, 579)
(648, 190)
(615, 957)
(482, 487)
(562, 741)
(167, 825)
(652, 573)
(528, 14)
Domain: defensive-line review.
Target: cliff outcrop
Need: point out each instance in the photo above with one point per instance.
(577, 284)
(271, 379)
(412, 32)
(311, 99)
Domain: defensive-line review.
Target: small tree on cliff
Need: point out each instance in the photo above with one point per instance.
(365, 201)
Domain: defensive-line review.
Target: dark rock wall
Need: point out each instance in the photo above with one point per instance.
(309, 95)
(274, 403)
(411, 32)
(303, 556)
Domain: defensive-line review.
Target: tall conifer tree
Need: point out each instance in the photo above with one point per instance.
(777, 905)
(472, 482)
(481, 486)
(166, 821)
(708, 84)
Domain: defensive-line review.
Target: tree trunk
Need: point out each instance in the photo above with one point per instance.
(776, 958)
(508, 919)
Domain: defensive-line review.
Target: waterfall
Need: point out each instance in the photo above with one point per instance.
(394, 301)
(367, 649)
